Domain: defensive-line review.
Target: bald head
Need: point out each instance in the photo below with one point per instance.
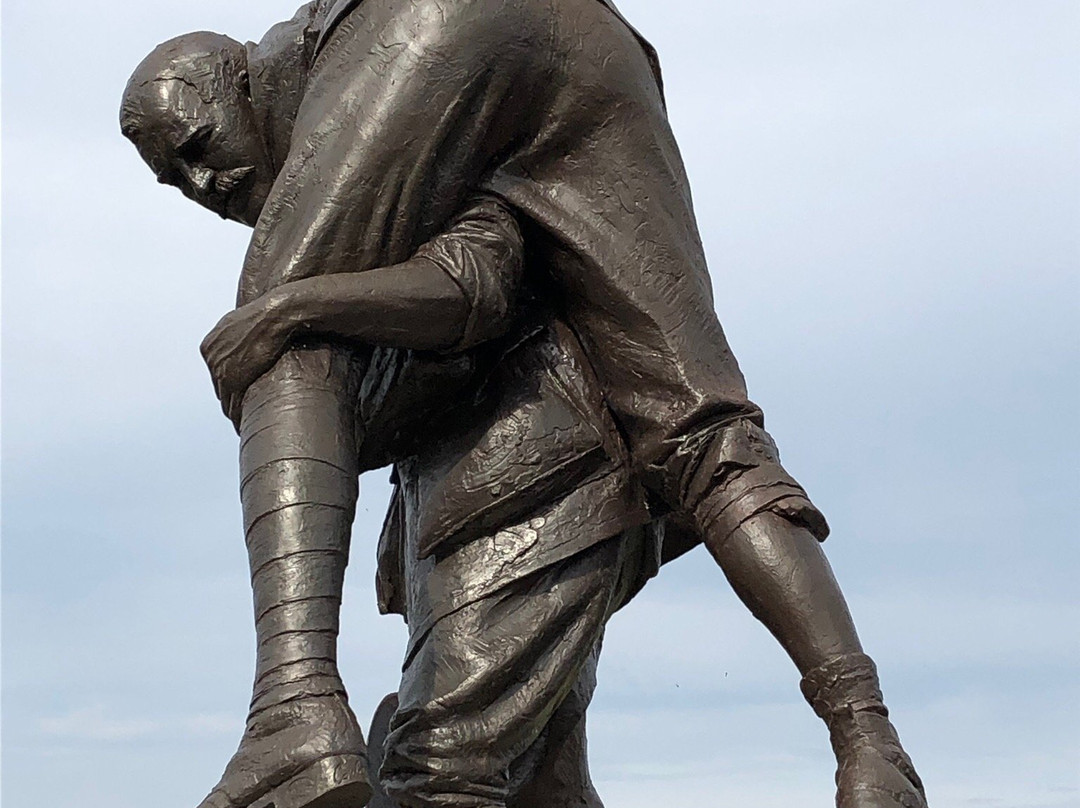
(187, 108)
(213, 65)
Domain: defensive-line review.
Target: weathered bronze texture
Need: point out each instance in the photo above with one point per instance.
(475, 258)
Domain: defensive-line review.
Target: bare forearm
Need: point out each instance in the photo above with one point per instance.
(457, 291)
(410, 305)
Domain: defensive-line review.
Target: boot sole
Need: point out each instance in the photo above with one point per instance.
(339, 781)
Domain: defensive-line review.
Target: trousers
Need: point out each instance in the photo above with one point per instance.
(491, 688)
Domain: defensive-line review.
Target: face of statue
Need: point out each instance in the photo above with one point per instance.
(204, 141)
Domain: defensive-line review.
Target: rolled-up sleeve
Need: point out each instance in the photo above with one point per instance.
(482, 253)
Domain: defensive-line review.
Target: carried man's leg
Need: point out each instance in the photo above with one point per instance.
(765, 534)
(298, 489)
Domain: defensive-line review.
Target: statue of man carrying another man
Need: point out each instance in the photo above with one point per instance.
(475, 257)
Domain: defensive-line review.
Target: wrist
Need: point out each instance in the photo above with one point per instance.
(288, 310)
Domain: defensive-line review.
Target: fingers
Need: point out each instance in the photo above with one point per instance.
(233, 409)
(212, 359)
(221, 362)
(206, 346)
(232, 406)
(231, 399)
(238, 350)
(219, 359)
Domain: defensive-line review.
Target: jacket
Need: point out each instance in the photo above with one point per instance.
(554, 106)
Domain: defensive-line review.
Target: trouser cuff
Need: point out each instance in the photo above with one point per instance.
(723, 475)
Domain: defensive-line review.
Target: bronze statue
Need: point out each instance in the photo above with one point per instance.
(478, 203)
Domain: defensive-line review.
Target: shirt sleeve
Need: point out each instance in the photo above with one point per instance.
(482, 252)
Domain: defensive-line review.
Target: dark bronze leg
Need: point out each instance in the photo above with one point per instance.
(302, 746)
(780, 572)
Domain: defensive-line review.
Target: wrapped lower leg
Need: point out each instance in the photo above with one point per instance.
(296, 662)
(298, 490)
(298, 542)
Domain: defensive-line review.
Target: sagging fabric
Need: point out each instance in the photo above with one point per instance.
(404, 395)
(482, 687)
(536, 473)
(278, 66)
(510, 442)
(725, 474)
(482, 253)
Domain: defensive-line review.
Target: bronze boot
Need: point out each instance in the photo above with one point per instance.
(302, 746)
(377, 732)
(873, 770)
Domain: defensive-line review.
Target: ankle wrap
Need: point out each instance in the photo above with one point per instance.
(842, 686)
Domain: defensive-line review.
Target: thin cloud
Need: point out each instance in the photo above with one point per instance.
(887, 197)
(98, 723)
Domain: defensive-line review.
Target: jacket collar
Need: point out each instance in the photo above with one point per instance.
(278, 66)
(335, 13)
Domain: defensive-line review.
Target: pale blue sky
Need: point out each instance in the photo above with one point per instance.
(889, 195)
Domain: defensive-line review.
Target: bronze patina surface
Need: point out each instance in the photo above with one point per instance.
(475, 258)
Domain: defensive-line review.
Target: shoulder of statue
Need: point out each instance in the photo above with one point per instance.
(650, 51)
(494, 14)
